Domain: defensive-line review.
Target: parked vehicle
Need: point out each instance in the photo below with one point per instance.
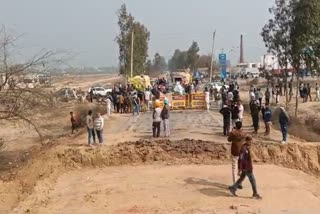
(100, 91)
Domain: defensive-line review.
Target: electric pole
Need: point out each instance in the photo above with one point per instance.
(132, 37)
(212, 55)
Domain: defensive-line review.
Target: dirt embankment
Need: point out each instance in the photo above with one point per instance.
(49, 165)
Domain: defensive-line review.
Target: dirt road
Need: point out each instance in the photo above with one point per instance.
(173, 189)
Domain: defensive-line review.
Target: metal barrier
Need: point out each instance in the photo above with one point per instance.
(197, 101)
(179, 101)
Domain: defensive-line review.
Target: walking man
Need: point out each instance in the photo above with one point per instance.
(284, 121)
(91, 134)
(165, 118)
(245, 169)
(156, 116)
(98, 126)
(226, 112)
(236, 137)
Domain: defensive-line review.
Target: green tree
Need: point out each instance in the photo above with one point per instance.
(127, 25)
(159, 63)
(193, 56)
(292, 34)
(276, 34)
(148, 66)
(178, 60)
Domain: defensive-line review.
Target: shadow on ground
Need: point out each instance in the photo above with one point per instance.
(214, 190)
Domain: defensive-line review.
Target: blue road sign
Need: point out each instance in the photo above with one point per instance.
(223, 65)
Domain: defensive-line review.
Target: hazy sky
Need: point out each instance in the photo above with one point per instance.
(88, 27)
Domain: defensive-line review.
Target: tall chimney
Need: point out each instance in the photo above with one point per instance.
(241, 49)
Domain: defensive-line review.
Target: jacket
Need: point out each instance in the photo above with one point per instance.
(157, 115)
(245, 162)
(236, 137)
(283, 118)
(226, 112)
(165, 112)
(267, 116)
(235, 112)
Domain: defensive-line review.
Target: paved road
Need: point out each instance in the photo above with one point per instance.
(196, 124)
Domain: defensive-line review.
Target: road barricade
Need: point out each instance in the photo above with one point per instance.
(179, 102)
(197, 101)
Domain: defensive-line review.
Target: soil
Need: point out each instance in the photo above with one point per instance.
(130, 175)
(40, 186)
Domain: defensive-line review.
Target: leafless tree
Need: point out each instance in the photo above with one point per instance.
(19, 98)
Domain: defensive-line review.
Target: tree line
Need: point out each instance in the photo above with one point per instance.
(293, 35)
(181, 59)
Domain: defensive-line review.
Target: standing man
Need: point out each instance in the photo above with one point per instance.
(91, 95)
(245, 168)
(73, 123)
(284, 121)
(234, 114)
(147, 97)
(309, 92)
(267, 116)
(156, 116)
(241, 110)
(255, 109)
(260, 96)
(207, 98)
(121, 104)
(317, 93)
(226, 112)
(236, 137)
(91, 134)
(136, 103)
(267, 96)
(108, 106)
(98, 126)
(165, 118)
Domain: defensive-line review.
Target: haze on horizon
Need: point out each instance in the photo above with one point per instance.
(88, 28)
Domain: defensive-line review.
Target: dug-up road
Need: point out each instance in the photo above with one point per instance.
(166, 187)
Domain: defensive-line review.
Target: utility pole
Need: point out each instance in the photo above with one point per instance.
(212, 55)
(132, 38)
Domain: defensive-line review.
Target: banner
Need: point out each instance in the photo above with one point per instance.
(178, 101)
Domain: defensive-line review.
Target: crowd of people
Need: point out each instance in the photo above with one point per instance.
(232, 111)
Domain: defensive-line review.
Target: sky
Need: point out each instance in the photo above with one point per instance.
(87, 28)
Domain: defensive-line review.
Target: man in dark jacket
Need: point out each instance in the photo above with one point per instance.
(245, 169)
(226, 112)
(165, 118)
(284, 121)
(234, 114)
(267, 116)
(255, 109)
(237, 138)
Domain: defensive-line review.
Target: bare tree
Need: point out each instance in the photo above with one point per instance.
(18, 97)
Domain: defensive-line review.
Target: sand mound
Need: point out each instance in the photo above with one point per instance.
(50, 164)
